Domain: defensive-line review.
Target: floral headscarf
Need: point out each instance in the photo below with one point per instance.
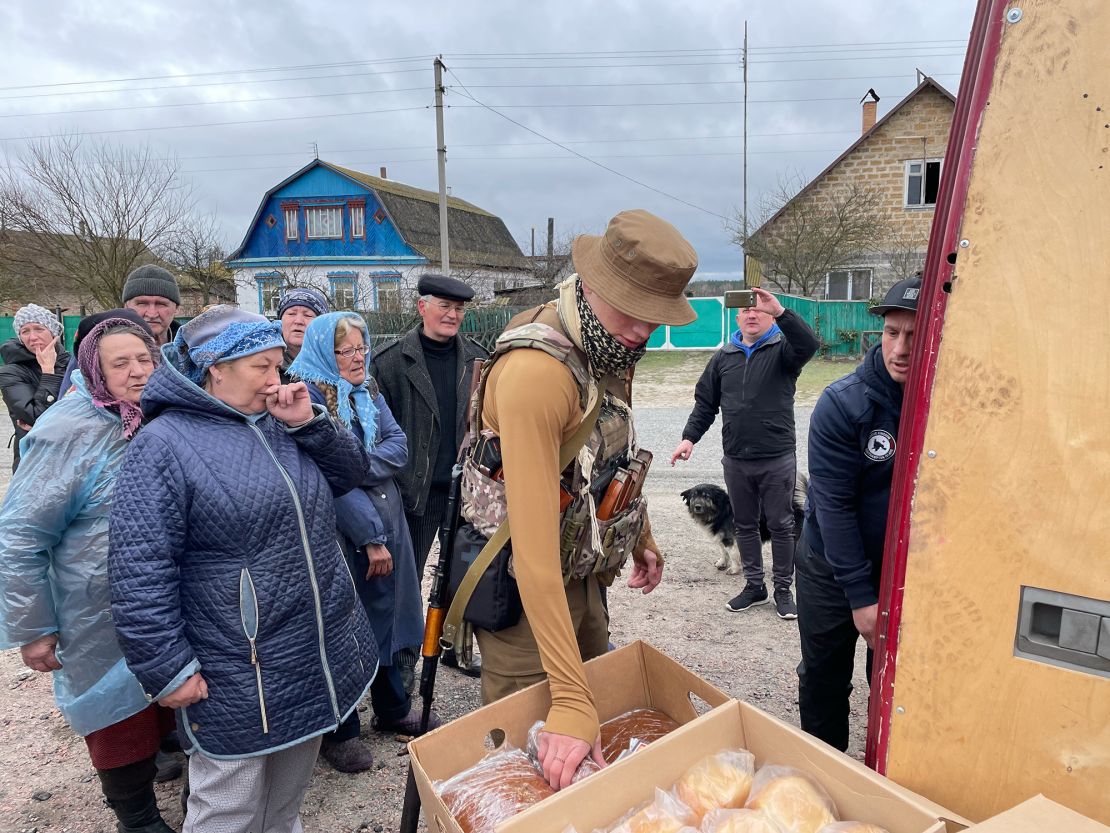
(88, 360)
(316, 363)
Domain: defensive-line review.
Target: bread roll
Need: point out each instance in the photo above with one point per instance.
(791, 799)
(738, 821)
(663, 815)
(496, 788)
(720, 781)
(644, 724)
(851, 827)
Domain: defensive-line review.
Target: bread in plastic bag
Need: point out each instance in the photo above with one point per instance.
(718, 781)
(737, 821)
(646, 725)
(588, 766)
(792, 799)
(851, 827)
(496, 788)
(666, 814)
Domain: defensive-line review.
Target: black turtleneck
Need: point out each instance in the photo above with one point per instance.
(441, 358)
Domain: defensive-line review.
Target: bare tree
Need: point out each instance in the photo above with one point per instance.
(904, 249)
(194, 250)
(812, 234)
(86, 213)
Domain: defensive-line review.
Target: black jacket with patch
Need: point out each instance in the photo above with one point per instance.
(755, 395)
(27, 390)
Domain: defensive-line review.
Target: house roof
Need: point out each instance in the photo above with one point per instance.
(478, 238)
(926, 83)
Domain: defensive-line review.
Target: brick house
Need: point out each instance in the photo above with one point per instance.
(899, 157)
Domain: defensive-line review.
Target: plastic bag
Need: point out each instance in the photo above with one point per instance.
(851, 827)
(738, 821)
(666, 814)
(645, 725)
(721, 781)
(588, 766)
(496, 788)
(792, 799)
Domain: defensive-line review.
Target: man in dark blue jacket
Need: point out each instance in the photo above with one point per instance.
(751, 380)
(853, 437)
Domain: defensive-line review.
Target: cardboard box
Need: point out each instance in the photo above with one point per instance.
(859, 793)
(1039, 815)
(633, 677)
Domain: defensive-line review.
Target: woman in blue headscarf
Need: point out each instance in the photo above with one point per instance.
(334, 361)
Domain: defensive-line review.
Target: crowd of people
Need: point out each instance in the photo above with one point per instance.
(216, 532)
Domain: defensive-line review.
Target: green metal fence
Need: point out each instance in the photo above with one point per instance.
(844, 327)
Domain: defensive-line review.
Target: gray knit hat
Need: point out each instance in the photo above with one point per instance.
(34, 314)
(151, 280)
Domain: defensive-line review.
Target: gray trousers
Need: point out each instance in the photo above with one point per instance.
(250, 795)
(766, 484)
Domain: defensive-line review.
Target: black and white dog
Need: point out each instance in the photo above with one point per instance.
(709, 506)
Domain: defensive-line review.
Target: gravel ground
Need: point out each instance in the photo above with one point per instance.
(49, 784)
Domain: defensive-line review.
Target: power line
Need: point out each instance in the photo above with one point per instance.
(208, 103)
(703, 83)
(587, 158)
(216, 72)
(216, 124)
(652, 103)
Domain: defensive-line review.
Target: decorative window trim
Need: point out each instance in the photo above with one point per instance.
(291, 216)
(269, 282)
(378, 279)
(357, 209)
(345, 281)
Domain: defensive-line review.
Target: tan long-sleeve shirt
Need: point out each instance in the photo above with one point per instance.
(531, 401)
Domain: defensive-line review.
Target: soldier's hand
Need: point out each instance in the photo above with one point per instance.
(647, 575)
(683, 451)
(561, 755)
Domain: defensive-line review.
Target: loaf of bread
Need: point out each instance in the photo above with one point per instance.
(851, 827)
(494, 789)
(791, 799)
(720, 781)
(663, 815)
(737, 821)
(645, 725)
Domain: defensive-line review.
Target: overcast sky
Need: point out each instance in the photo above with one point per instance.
(260, 82)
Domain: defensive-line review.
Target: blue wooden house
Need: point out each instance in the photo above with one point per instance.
(364, 240)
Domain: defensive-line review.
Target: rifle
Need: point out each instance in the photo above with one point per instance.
(437, 609)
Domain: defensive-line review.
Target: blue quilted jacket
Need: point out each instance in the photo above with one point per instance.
(223, 559)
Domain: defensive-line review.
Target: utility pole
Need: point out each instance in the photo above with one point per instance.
(744, 221)
(441, 156)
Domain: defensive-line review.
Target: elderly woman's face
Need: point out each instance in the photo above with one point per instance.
(35, 336)
(350, 356)
(125, 364)
(294, 321)
(244, 383)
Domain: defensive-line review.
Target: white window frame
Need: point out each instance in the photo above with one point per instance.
(358, 220)
(269, 293)
(292, 228)
(323, 222)
(852, 272)
(906, 181)
(391, 283)
(345, 284)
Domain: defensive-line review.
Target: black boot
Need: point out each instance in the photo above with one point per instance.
(129, 791)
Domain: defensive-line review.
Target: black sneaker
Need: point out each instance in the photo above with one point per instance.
(752, 594)
(784, 603)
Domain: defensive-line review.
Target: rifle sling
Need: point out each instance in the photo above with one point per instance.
(500, 537)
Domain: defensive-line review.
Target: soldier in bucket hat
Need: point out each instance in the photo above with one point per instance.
(556, 370)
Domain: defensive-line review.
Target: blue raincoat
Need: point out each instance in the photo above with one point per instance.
(54, 558)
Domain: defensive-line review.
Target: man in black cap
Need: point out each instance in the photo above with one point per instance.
(152, 292)
(853, 437)
(425, 378)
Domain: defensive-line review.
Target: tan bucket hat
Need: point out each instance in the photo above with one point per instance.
(641, 266)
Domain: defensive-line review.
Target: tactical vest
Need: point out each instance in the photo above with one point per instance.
(587, 546)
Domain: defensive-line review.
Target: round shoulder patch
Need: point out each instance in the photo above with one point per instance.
(880, 445)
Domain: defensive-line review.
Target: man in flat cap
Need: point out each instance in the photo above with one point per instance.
(558, 387)
(425, 378)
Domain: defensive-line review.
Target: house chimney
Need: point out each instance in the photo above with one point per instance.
(869, 102)
(383, 176)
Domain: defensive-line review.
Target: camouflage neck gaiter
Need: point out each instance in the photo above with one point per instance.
(606, 355)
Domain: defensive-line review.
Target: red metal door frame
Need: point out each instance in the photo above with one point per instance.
(971, 101)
